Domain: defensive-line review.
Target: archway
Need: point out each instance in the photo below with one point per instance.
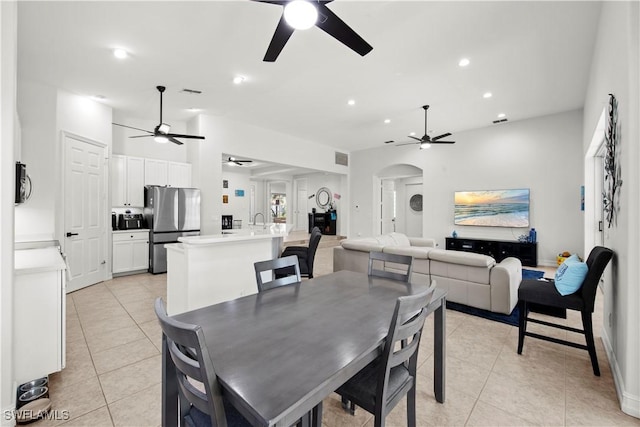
(398, 189)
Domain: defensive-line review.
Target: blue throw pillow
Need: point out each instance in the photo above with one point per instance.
(570, 275)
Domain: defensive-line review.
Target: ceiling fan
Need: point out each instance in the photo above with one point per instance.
(426, 140)
(325, 19)
(161, 132)
(238, 162)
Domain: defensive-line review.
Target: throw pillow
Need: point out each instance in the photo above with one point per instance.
(570, 275)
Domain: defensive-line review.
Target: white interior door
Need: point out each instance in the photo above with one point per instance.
(85, 211)
(301, 213)
(387, 206)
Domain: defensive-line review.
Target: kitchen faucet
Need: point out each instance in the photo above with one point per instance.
(264, 225)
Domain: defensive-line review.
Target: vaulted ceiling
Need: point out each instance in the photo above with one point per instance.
(533, 57)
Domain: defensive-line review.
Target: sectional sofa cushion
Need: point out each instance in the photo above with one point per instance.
(363, 245)
(463, 258)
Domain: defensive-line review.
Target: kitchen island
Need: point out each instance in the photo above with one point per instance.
(208, 269)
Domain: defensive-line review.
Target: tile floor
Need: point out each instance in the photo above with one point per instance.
(113, 377)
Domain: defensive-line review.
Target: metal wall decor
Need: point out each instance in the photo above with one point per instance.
(612, 179)
(415, 202)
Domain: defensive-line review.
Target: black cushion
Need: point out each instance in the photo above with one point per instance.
(361, 388)
(197, 418)
(545, 293)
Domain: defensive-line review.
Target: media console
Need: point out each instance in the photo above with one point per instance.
(527, 253)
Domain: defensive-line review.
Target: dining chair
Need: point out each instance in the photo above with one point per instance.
(200, 396)
(306, 254)
(545, 294)
(402, 264)
(290, 263)
(379, 386)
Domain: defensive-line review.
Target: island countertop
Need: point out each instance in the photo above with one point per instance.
(256, 232)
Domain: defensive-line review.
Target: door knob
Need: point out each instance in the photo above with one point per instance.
(71, 234)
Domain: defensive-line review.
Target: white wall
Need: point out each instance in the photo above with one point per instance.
(8, 133)
(543, 154)
(44, 113)
(223, 135)
(615, 70)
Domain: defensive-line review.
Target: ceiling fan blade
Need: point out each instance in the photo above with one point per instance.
(141, 136)
(237, 162)
(413, 137)
(338, 29)
(280, 37)
(131, 127)
(391, 141)
(443, 142)
(444, 135)
(175, 141)
(177, 135)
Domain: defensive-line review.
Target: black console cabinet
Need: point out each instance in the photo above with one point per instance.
(498, 249)
(326, 222)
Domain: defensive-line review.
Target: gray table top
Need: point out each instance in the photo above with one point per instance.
(279, 353)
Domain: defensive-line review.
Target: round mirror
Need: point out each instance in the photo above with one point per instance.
(415, 202)
(323, 198)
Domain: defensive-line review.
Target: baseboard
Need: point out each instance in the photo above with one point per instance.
(629, 404)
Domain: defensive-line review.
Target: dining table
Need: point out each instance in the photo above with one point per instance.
(277, 354)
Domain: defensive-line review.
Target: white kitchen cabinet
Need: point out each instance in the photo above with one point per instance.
(179, 175)
(127, 181)
(130, 251)
(163, 172)
(38, 313)
(155, 172)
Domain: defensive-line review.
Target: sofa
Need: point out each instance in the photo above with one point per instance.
(471, 279)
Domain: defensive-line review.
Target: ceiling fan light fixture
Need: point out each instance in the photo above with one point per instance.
(464, 62)
(300, 14)
(425, 146)
(164, 128)
(161, 139)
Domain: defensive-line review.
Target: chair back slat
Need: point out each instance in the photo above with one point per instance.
(314, 241)
(597, 261)
(186, 347)
(413, 308)
(269, 266)
(382, 258)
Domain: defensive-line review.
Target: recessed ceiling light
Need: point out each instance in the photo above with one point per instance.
(487, 95)
(502, 115)
(464, 62)
(120, 53)
(238, 80)
(387, 121)
(351, 102)
(412, 134)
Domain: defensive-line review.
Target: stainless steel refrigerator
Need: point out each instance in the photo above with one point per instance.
(170, 213)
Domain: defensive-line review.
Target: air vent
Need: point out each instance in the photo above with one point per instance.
(499, 121)
(342, 159)
(192, 91)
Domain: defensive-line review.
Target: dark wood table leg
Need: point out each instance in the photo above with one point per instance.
(316, 416)
(169, 388)
(439, 366)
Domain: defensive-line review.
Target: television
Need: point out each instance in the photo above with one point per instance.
(492, 208)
